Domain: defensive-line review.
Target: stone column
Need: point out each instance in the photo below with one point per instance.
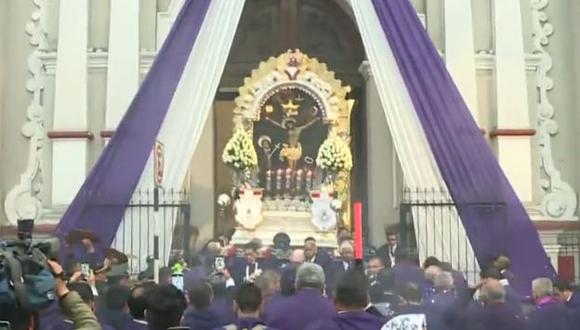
(513, 133)
(69, 132)
(459, 50)
(383, 174)
(123, 61)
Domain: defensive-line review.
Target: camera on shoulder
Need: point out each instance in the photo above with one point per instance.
(26, 281)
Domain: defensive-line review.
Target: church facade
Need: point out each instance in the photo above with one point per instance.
(69, 68)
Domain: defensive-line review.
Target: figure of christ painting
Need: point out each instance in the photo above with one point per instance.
(289, 132)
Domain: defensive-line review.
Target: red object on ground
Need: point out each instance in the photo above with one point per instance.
(358, 239)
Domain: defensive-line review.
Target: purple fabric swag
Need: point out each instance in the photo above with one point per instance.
(493, 216)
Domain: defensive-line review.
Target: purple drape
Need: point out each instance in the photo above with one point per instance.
(493, 216)
(100, 203)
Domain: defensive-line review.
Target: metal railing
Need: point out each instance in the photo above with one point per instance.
(135, 235)
(429, 223)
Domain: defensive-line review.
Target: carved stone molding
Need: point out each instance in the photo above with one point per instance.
(23, 200)
(560, 199)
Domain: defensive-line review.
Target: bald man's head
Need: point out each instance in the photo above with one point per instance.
(346, 251)
(492, 292)
(297, 256)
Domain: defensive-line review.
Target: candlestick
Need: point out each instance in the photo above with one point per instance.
(358, 239)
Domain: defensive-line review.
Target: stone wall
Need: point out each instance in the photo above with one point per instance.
(3, 52)
(15, 49)
(14, 146)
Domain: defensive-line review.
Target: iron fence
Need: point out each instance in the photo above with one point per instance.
(135, 234)
(429, 224)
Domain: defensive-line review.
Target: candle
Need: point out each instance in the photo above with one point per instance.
(288, 178)
(279, 179)
(358, 239)
(309, 180)
(299, 180)
(268, 180)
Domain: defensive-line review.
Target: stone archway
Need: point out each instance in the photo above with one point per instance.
(323, 29)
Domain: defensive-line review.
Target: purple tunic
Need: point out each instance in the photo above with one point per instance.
(223, 308)
(201, 319)
(356, 320)
(297, 311)
(551, 314)
(247, 323)
(408, 272)
(136, 325)
(495, 317)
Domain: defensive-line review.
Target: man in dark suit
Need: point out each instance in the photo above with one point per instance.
(380, 280)
(340, 265)
(549, 313)
(566, 294)
(307, 305)
(248, 268)
(351, 301)
(315, 255)
(387, 251)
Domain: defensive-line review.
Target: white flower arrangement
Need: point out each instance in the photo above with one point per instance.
(334, 155)
(239, 152)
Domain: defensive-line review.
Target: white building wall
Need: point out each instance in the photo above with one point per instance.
(14, 155)
(3, 52)
(14, 146)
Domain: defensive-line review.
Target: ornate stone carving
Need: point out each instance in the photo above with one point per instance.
(560, 200)
(23, 200)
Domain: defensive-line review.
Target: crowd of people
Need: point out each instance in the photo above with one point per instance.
(284, 288)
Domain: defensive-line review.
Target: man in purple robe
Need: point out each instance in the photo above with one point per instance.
(198, 314)
(223, 292)
(549, 313)
(407, 269)
(410, 303)
(351, 298)
(444, 293)
(307, 305)
(494, 313)
(247, 303)
(138, 305)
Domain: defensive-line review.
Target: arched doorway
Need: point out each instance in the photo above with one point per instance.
(321, 29)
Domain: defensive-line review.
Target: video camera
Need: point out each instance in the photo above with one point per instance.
(26, 281)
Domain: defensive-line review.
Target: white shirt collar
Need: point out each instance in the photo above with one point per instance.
(140, 321)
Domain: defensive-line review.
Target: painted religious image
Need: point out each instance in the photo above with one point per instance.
(288, 136)
(292, 127)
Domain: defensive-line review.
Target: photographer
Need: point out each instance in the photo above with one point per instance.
(71, 305)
